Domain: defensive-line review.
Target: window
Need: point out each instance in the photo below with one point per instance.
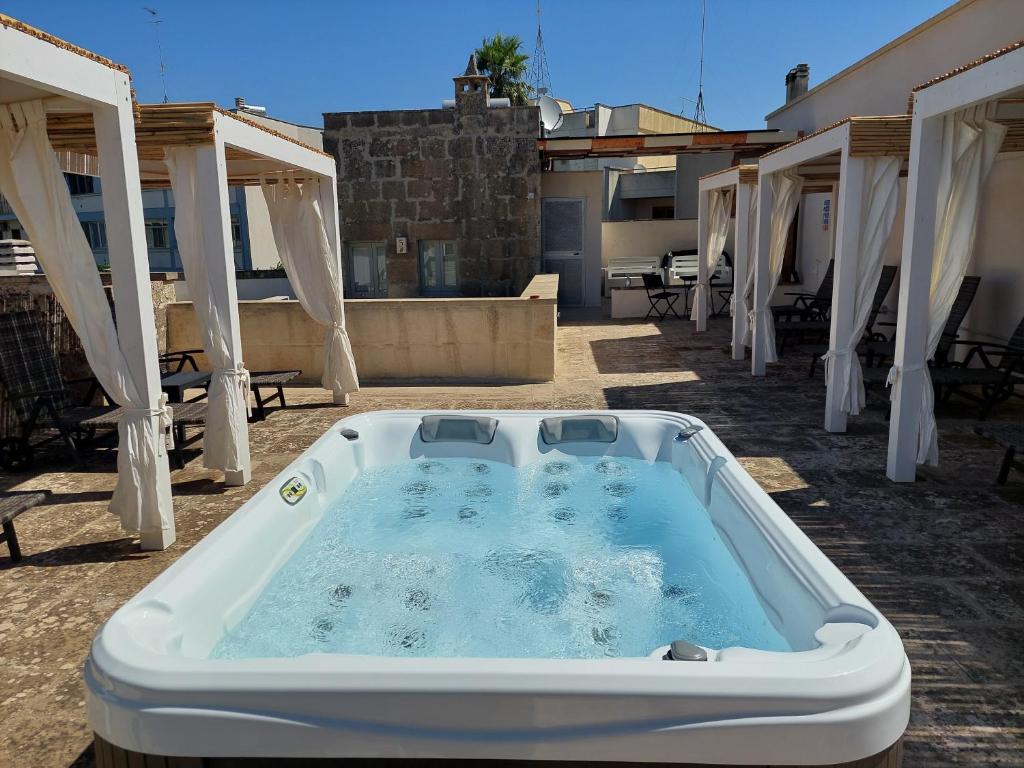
(438, 268)
(80, 185)
(663, 211)
(156, 234)
(96, 234)
(236, 233)
(366, 275)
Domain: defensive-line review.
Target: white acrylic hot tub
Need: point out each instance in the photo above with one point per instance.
(153, 689)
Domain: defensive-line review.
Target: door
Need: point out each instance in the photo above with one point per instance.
(366, 275)
(562, 246)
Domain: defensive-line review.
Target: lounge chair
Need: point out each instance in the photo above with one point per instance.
(184, 359)
(38, 394)
(823, 327)
(1000, 372)
(657, 295)
(877, 352)
(176, 362)
(271, 379)
(1008, 435)
(40, 398)
(12, 504)
(808, 306)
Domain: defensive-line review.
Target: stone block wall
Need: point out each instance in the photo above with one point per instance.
(470, 174)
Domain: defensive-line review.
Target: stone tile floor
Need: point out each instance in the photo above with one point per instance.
(942, 558)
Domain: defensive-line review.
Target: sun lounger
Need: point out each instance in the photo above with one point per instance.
(1008, 435)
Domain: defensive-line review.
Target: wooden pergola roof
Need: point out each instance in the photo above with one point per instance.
(884, 136)
(747, 173)
(661, 144)
(158, 126)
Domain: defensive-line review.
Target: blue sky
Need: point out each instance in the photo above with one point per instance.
(304, 58)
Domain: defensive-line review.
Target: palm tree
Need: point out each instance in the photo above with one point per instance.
(501, 59)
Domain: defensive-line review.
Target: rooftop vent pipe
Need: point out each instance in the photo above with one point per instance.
(796, 82)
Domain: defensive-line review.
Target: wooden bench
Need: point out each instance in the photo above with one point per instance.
(12, 504)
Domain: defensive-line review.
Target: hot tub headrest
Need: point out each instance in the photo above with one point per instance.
(450, 428)
(579, 429)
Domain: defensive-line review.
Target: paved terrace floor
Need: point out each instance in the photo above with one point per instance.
(941, 558)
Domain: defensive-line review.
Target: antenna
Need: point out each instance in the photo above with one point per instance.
(539, 78)
(698, 111)
(156, 21)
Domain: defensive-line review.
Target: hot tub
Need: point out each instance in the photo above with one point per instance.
(599, 586)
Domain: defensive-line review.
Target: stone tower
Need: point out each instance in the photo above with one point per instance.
(472, 90)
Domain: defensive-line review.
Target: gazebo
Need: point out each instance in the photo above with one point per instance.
(961, 121)
(718, 194)
(199, 150)
(861, 158)
(41, 76)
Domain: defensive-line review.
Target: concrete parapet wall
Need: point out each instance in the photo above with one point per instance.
(471, 339)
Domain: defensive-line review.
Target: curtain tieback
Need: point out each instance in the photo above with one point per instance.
(895, 372)
(832, 355)
(754, 313)
(166, 416)
(241, 375)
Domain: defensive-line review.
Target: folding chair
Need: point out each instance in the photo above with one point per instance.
(656, 294)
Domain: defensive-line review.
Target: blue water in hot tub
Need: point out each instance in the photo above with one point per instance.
(565, 558)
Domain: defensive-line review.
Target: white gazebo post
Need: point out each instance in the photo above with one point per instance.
(129, 271)
(701, 297)
(740, 268)
(69, 79)
(212, 183)
(328, 187)
(741, 179)
(762, 280)
(987, 79)
(847, 254)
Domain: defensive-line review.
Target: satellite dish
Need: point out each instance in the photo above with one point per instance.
(550, 112)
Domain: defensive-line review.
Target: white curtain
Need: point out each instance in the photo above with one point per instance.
(226, 437)
(970, 143)
(786, 188)
(748, 279)
(32, 182)
(879, 198)
(719, 216)
(314, 271)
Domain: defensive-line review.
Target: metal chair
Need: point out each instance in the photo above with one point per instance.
(657, 295)
(809, 306)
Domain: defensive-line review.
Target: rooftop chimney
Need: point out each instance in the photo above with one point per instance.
(251, 109)
(796, 82)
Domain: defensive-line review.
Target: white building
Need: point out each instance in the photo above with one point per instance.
(881, 84)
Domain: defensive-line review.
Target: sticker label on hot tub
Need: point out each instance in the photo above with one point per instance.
(293, 490)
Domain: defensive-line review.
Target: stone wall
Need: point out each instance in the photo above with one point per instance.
(469, 174)
(465, 340)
